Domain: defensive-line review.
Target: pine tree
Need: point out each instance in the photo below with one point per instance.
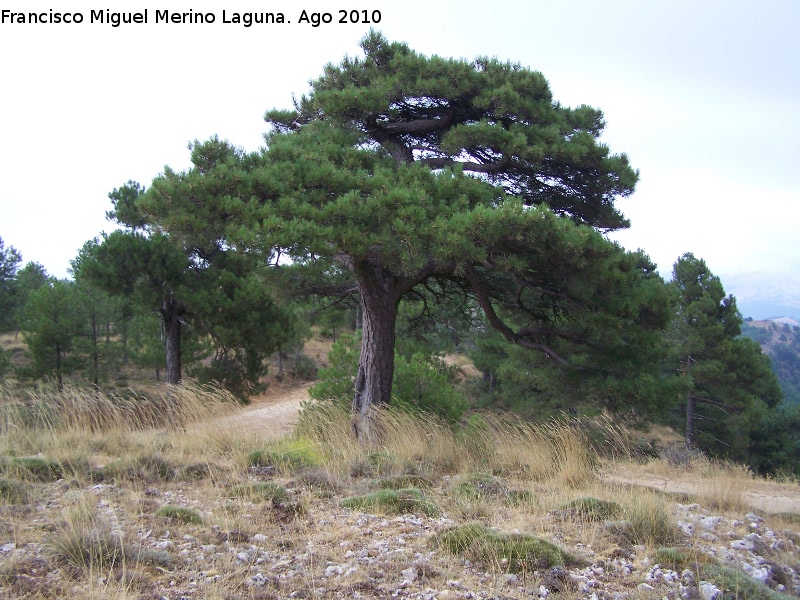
(399, 172)
(729, 385)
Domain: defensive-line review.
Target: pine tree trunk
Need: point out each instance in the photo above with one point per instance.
(373, 386)
(690, 405)
(279, 374)
(172, 312)
(95, 352)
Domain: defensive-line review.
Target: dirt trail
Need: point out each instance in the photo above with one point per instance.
(766, 496)
(272, 416)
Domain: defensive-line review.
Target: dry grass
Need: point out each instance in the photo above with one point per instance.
(719, 485)
(87, 409)
(190, 507)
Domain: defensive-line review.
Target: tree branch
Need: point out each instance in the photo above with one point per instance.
(495, 321)
(473, 167)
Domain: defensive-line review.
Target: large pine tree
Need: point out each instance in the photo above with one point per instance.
(399, 172)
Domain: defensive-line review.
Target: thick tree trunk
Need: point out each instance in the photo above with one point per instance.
(172, 313)
(373, 387)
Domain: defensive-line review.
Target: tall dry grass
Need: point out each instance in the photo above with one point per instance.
(82, 428)
(491, 443)
(92, 410)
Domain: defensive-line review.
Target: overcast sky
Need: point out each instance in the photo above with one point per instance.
(704, 97)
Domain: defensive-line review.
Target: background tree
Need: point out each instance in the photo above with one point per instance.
(152, 271)
(401, 171)
(729, 385)
(223, 295)
(9, 263)
(51, 324)
(29, 278)
(234, 307)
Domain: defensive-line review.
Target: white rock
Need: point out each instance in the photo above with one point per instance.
(543, 592)
(8, 547)
(708, 591)
(410, 574)
(686, 528)
(645, 587)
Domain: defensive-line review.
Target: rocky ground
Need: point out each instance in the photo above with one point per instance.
(310, 547)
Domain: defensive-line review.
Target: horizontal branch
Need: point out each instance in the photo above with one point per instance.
(473, 167)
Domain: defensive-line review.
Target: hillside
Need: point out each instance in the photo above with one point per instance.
(780, 340)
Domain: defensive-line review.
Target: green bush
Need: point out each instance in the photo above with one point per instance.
(421, 383)
(736, 585)
(13, 492)
(291, 455)
(393, 502)
(512, 552)
(265, 491)
(425, 384)
(181, 514)
(34, 467)
(593, 509)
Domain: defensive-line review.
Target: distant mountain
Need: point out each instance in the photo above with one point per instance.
(765, 295)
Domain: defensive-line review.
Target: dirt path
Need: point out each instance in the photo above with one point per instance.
(273, 416)
(766, 496)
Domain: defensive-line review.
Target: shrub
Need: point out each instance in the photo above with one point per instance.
(181, 514)
(421, 383)
(13, 492)
(291, 455)
(35, 467)
(592, 509)
(393, 502)
(736, 585)
(265, 491)
(516, 553)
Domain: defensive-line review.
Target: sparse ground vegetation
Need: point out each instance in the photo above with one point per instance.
(492, 508)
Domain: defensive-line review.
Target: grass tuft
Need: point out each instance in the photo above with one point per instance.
(265, 491)
(399, 482)
(736, 585)
(289, 455)
(13, 491)
(508, 552)
(180, 514)
(393, 502)
(34, 467)
(648, 521)
(592, 509)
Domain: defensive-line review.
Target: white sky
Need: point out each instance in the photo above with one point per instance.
(704, 96)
